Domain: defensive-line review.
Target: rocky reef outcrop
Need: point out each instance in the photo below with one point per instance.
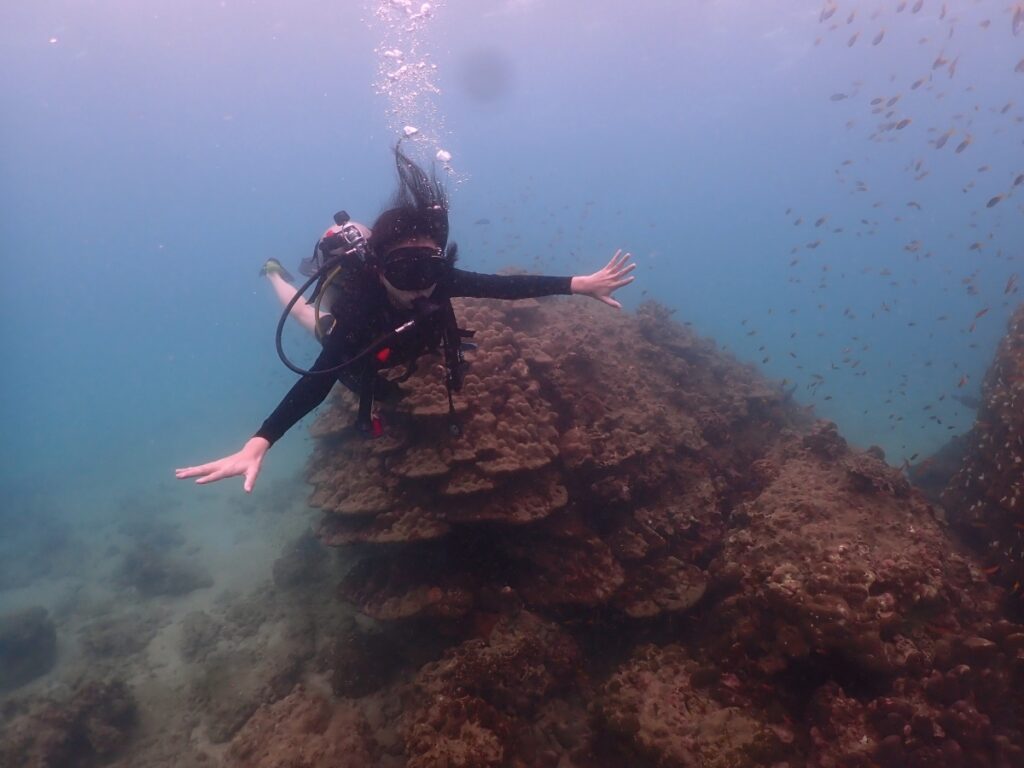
(86, 727)
(639, 552)
(595, 469)
(985, 499)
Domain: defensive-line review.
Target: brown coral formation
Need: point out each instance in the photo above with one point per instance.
(304, 730)
(848, 601)
(86, 728)
(604, 450)
(640, 553)
(667, 711)
(985, 499)
(468, 706)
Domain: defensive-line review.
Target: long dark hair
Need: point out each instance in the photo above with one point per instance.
(419, 208)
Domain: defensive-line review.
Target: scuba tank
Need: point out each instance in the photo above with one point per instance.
(341, 243)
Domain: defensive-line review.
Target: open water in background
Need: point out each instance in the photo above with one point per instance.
(153, 155)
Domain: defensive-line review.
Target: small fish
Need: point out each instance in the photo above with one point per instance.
(917, 84)
(940, 61)
(841, 96)
(991, 571)
(879, 37)
(917, 6)
(893, 100)
(941, 141)
(1018, 19)
(821, 221)
(1019, 180)
(963, 381)
(1020, 66)
(827, 11)
(981, 313)
(902, 5)
(913, 204)
(1011, 284)
(994, 201)
(903, 123)
(852, 40)
(964, 144)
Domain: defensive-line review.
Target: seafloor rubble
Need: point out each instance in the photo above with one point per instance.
(985, 499)
(638, 553)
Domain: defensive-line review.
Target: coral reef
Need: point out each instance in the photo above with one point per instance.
(606, 452)
(84, 729)
(199, 635)
(466, 705)
(230, 685)
(304, 730)
(118, 635)
(153, 572)
(28, 646)
(844, 598)
(637, 553)
(934, 473)
(662, 708)
(362, 662)
(985, 500)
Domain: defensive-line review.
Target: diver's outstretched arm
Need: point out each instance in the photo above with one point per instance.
(246, 462)
(602, 284)
(301, 311)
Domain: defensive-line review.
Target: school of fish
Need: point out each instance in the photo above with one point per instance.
(987, 190)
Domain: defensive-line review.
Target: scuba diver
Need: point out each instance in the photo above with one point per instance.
(388, 301)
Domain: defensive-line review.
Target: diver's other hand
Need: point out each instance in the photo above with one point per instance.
(603, 283)
(246, 462)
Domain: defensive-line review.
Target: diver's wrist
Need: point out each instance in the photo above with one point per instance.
(257, 444)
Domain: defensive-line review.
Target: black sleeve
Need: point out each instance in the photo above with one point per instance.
(307, 394)
(483, 286)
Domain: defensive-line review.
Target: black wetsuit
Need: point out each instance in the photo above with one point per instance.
(362, 311)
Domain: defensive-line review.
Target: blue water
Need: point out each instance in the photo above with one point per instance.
(153, 155)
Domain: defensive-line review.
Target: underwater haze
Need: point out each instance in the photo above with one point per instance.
(154, 155)
(833, 192)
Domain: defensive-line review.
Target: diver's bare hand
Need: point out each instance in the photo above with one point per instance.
(246, 462)
(603, 283)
